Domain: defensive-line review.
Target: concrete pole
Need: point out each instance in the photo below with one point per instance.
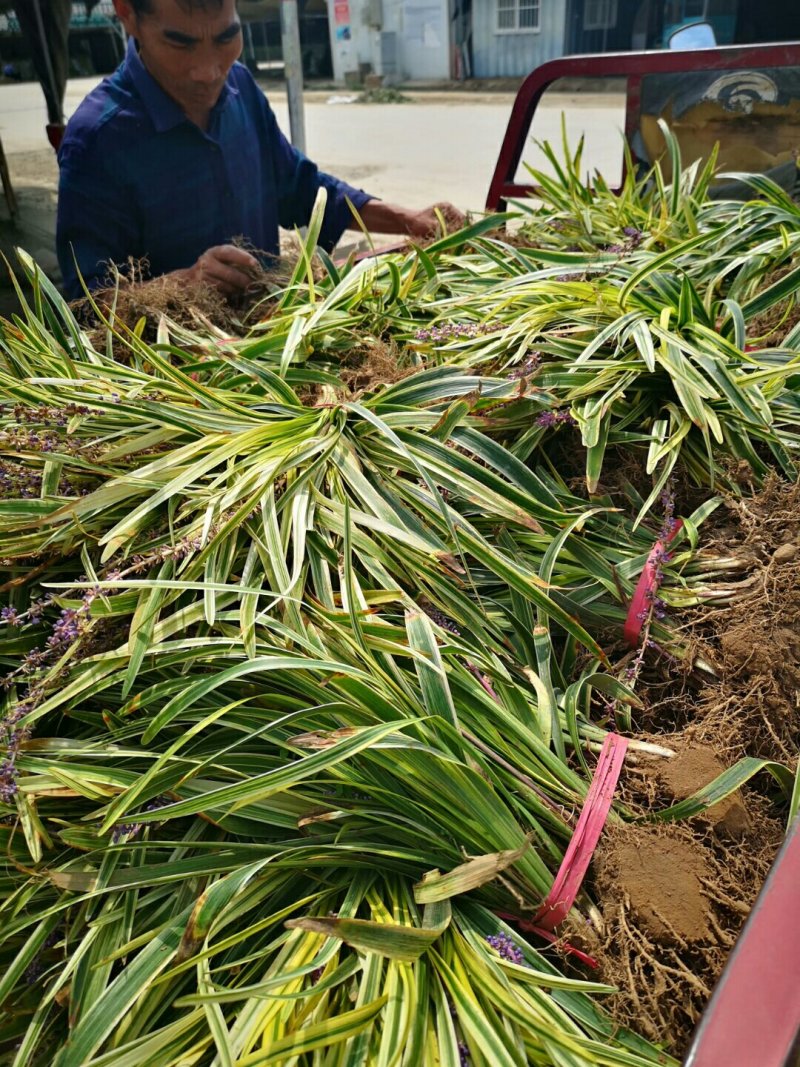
(293, 69)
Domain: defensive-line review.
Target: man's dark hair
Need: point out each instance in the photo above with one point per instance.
(144, 7)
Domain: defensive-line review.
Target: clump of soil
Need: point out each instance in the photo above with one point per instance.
(660, 876)
(694, 766)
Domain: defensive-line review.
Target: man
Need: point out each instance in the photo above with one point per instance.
(178, 153)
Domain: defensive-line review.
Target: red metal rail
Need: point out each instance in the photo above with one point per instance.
(632, 66)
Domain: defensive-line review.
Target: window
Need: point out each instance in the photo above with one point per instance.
(599, 14)
(518, 16)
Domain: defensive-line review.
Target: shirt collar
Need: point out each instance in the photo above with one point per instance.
(162, 109)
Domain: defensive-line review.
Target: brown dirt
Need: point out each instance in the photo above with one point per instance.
(747, 699)
(673, 900)
(695, 766)
(660, 877)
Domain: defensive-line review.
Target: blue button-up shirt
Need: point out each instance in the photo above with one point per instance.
(140, 179)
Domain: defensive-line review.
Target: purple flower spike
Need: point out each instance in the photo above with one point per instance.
(32, 660)
(36, 609)
(506, 948)
(8, 781)
(450, 331)
(554, 418)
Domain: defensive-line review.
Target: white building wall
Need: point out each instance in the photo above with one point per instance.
(423, 37)
(404, 40)
(351, 37)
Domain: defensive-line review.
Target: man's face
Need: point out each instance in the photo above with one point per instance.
(188, 50)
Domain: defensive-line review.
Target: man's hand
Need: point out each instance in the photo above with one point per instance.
(380, 217)
(425, 223)
(226, 267)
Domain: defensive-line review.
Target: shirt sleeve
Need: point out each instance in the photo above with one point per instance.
(97, 217)
(298, 179)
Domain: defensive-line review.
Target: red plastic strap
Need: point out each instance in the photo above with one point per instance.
(587, 833)
(646, 588)
(584, 957)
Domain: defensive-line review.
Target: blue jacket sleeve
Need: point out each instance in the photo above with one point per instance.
(97, 217)
(298, 179)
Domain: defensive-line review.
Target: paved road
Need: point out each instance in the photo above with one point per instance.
(441, 145)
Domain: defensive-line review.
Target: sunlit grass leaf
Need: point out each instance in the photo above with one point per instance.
(470, 875)
(403, 943)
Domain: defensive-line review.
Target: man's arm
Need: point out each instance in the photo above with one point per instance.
(298, 179)
(380, 217)
(231, 269)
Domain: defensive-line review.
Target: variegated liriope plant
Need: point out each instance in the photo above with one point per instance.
(301, 683)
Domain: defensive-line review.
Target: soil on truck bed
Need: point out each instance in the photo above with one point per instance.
(674, 896)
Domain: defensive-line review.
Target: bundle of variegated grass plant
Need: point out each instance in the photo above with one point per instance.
(302, 685)
(645, 316)
(241, 717)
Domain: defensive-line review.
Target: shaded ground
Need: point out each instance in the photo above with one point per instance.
(34, 176)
